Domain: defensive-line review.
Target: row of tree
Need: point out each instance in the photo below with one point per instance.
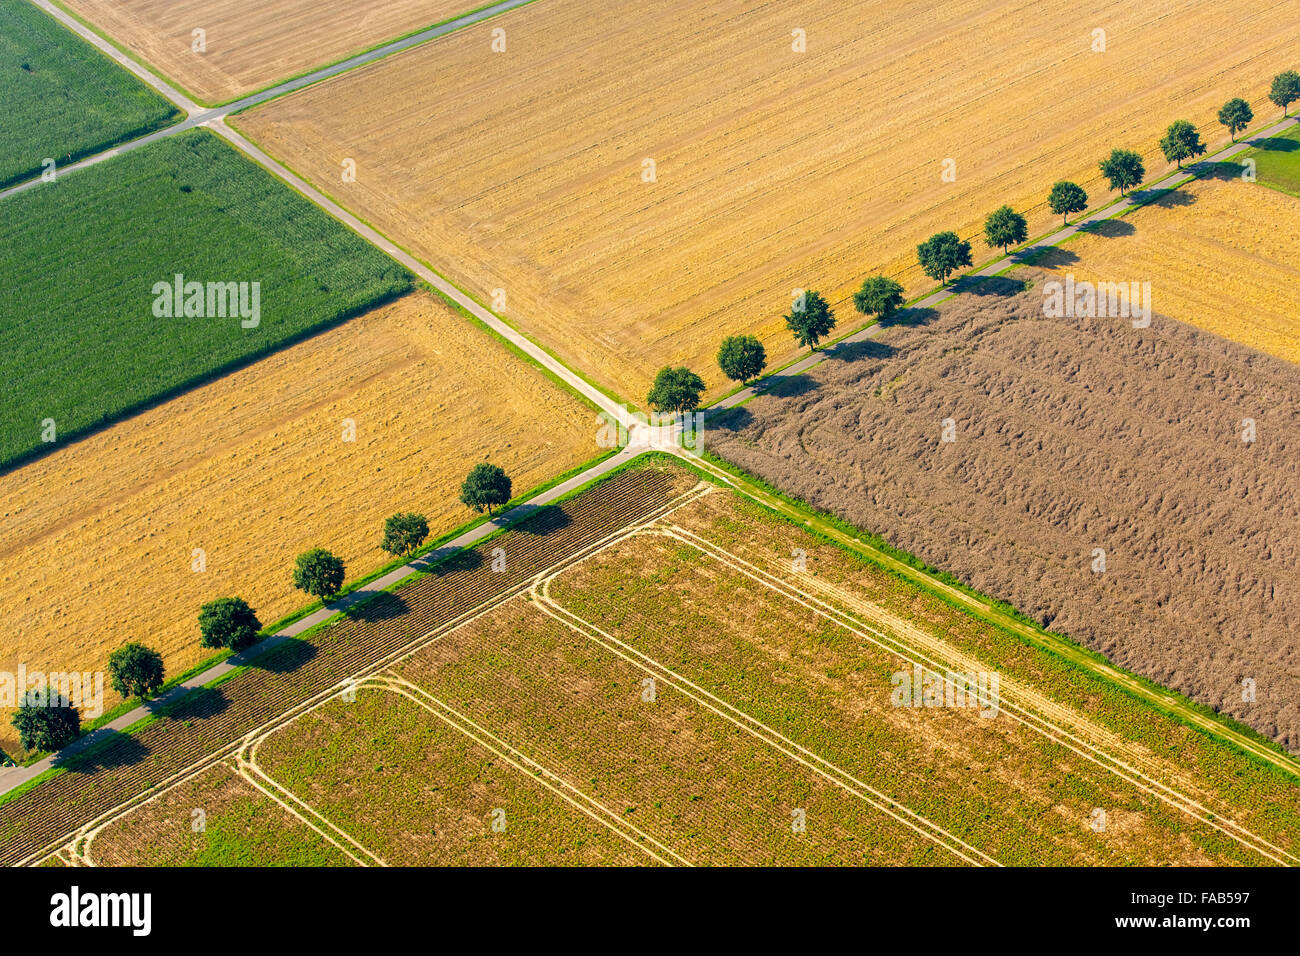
(135, 670)
(743, 358)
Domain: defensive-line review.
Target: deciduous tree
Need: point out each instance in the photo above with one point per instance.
(1123, 169)
(1067, 197)
(319, 573)
(810, 319)
(1005, 227)
(404, 533)
(880, 296)
(1236, 114)
(1181, 141)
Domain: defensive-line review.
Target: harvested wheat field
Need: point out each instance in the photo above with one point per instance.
(1222, 255)
(774, 170)
(1071, 437)
(251, 44)
(98, 538)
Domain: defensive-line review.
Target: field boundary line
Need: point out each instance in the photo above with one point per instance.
(1057, 734)
(547, 605)
(542, 775)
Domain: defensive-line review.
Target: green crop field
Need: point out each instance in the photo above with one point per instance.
(62, 99)
(86, 331)
(1278, 162)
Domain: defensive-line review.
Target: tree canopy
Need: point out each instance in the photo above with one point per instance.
(1181, 141)
(1067, 197)
(46, 724)
(675, 390)
(135, 670)
(1236, 114)
(1285, 90)
(1005, 228)
(404, 532)
(319, 573)
(1123, 169)
(879, 295)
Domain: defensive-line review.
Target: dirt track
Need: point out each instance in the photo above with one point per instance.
(1071, 435)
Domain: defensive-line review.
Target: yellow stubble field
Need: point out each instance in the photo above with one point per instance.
(1222, 255)
(251, 44)
(97, 541)
(525, 170)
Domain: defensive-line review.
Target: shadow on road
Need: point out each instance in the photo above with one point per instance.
(1002, 286)
(866, 349)
(1110, 229)
(1279, 144)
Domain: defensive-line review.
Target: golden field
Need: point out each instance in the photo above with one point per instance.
(1221, 255)
(98, 537)
(252, 44)
(775, 170)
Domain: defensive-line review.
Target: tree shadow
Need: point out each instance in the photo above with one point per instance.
(288, 655)
(909, 317)
(1223, 171)
(1001, 286)
(1279, 144)
(201, 703)
(542, 519)
(1053, 257)
(1165, 198)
